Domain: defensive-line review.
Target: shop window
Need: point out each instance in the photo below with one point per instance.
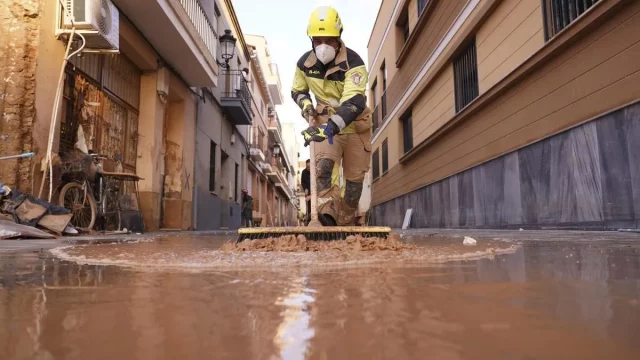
(102, 94)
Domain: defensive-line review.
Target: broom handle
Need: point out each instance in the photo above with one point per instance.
(314, 188)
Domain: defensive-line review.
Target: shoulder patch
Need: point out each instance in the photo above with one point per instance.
(356, 77)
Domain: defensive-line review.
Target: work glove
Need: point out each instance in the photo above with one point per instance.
(307, 109)
(320, 133)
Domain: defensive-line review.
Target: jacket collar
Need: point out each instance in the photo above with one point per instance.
(340, 63)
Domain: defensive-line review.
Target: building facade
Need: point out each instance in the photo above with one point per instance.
(225, 114)
(270, 163)
(506, 114)
(156, 92)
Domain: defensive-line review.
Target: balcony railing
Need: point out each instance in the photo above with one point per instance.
(201, 22)
(276, 163)
(237, 87)
(236, 98)
(257, 140)
(376, 122)
(274, 123)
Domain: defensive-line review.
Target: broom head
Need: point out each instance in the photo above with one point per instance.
(327, 233)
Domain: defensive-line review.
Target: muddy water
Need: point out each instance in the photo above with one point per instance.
(185, 299)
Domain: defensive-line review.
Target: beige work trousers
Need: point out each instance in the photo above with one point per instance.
(353, 151)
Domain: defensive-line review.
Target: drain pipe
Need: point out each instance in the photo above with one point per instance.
(54, 116)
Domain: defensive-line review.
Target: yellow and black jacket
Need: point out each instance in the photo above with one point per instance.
(341, 84)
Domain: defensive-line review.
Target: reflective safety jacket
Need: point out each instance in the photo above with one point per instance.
(341, 85)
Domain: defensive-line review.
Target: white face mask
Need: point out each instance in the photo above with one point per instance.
(325, 53)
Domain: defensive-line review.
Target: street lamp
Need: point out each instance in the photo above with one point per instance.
(228, 45)
(276, 149)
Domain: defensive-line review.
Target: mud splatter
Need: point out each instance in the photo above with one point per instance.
(202, 254)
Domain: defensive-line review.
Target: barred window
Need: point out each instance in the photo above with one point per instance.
(375, 166)
(385, 156)
(560, 13)
(465, 72)
(422, 4)
(407, 131)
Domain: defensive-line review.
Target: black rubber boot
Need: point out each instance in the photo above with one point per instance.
(327, 220)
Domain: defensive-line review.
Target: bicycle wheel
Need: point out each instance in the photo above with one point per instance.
(81, 203)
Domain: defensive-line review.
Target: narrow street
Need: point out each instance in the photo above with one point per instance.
(339, 179)
(557, 295)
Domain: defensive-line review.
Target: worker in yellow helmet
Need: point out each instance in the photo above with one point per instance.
(337, 77)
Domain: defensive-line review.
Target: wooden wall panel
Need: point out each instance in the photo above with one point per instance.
(523, 52)
(437, 102)
(593, 75)
(511, 42)
(438, 22)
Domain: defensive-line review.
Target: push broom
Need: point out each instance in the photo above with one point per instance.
(314, 230)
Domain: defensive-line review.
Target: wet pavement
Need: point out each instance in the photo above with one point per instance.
(576, 297)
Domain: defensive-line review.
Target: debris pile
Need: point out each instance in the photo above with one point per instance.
(22, 214)
(290, 243)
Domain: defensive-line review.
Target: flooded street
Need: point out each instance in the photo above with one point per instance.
(183, 298)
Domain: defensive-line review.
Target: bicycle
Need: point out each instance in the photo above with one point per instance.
(82, 183)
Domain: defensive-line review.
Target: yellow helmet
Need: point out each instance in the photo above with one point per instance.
(324, 21)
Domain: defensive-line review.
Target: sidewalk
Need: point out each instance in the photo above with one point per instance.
(525, 235)
(35, 245)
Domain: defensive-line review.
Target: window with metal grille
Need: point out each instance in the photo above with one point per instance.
(385, 156)
(465, 73)
(375, 166)
(558, 14)
(376, 121)
(383, 98)
(212, 167)
(374, 96)
(403, 29)
(407, 131)
(421, 5)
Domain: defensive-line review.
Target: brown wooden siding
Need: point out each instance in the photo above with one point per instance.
(501, 48)
(592, 75)
(438, 22)
(434, 106)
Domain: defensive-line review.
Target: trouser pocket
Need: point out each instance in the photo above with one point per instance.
(363, 122)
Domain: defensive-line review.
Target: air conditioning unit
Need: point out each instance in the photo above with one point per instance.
(97, 20)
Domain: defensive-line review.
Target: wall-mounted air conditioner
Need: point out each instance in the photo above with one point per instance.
(97, 20)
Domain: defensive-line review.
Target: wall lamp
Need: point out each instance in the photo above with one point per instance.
(228, 46)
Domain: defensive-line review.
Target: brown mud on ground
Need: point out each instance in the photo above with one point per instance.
(291, 243)
(202, 254)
